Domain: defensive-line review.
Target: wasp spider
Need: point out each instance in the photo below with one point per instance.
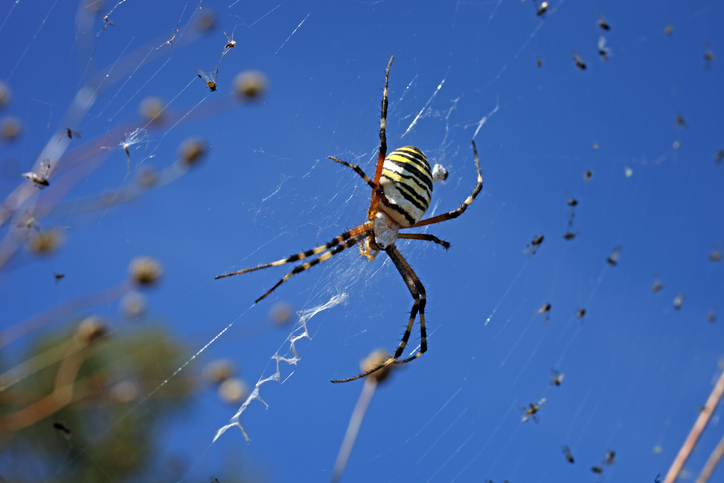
(401, 191)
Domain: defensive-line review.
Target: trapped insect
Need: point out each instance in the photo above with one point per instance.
(568, 455)
(401, 192)
(209, 78)
(40, 179)
(71, 133)
(531, 412)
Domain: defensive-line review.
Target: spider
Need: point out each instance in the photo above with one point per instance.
(401, 191)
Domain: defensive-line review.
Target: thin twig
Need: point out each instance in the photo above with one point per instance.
(711, 463)
(696, 431)
(353, 429)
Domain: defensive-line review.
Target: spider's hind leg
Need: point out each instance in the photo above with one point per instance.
(418, 293)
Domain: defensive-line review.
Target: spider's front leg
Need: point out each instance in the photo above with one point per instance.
(417, 290)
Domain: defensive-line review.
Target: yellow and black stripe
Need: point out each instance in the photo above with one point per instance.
(407, 182)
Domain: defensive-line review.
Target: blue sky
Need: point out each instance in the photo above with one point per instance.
(636, 369)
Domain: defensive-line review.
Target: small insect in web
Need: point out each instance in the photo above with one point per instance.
(657, 285)
(557, 378)
(545, 310)
(569, 235)
(588, 175)
(209, 78)
(614, 256)
(40, 179)
(578, 60)
(567, 454)
(581, 313)
(610, 457)
(603, 23)
(597, 469)
(718, 156)
(72, 133)
(531, 412)
(63, 429)
(679, 300)
(680, 121)
(708, 57)
(603, 51)
(58, 276)
(108, 22)
(533, 246)
(711, 315)
(230, 43)
(401, 193)
(29, 223)
(541, 11)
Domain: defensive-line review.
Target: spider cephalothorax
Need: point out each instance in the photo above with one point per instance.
(401, 193)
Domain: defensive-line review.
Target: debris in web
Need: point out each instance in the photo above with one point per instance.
(291, 357)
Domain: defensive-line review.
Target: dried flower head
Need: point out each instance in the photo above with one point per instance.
(90, 329)
(219, 370)
(281, 313)
(151, 109)
(45, 242)
(133, 305)
(250, 84)
(192, 151)
(145, 271)
(10, 128)
(233, 391)
(376, 357)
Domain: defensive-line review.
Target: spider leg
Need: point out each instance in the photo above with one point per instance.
(425, 237)
(418, 293)
(325, 256)
(299, 256)
(459, 211)
(376, 188)
(383, 144)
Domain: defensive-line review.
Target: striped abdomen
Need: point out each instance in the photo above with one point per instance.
(407, 182)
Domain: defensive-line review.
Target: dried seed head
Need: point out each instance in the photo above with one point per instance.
(133, 305)
(233, 391)
(124, 392)
(10, 128)
(281, 313)
(151, 109)
(147, 176)
(45, 242)
(377, 357)
(91, 329)
(219, 370)
(205, 20)
(250, 84)
(192, 151)
(145, 271)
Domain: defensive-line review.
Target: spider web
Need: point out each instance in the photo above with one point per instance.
(636, 368)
